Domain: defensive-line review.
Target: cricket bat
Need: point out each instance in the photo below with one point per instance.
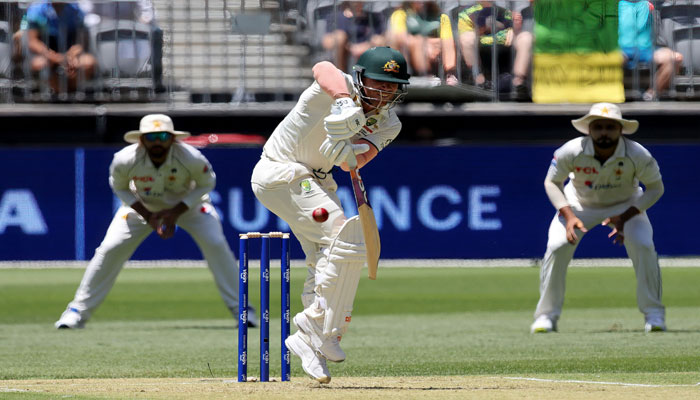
(369, 223)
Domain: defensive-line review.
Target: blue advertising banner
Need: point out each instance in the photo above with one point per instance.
(430, 202)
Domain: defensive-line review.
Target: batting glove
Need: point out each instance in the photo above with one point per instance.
(338, 151)
(345, 119)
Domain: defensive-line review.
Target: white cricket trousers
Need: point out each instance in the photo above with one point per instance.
(128, 230)
(640, 249)
(293, 196)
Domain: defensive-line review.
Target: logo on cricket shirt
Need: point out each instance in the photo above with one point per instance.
(619, 171)
(366, 130)
(306, 186)
(607, 186)
(586, 170)
(602, 186)
(143, 178)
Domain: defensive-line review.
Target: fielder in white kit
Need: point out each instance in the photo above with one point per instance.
(161, 183)
(604, 171)
(337, 117)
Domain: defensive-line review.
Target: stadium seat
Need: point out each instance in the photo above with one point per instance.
(680, 30)
(122, 48)
(317, 11)
(5, 48)
(386, 8)
(5, 64)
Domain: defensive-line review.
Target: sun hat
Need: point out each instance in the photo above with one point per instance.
(605, 111)
(154, 123)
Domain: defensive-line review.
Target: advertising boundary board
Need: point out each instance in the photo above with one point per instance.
(461, 202)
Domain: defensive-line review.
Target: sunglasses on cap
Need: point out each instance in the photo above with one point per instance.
(153, 136)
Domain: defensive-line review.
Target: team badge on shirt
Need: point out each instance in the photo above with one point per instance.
(306, 186)
(619, 171)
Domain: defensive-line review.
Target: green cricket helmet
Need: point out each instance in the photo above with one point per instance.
(382, 64)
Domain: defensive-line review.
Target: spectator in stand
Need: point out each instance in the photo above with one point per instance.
(635, 37)
(477, 34)
(57, 41)
(424, 35)
(141, 11)
(352, 31)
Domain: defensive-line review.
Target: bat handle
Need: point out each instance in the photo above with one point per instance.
(352, 160)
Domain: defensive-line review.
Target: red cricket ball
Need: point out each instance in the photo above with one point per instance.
(320, 214)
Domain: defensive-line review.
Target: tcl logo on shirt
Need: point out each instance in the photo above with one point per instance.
(586, 170)
(143, 178)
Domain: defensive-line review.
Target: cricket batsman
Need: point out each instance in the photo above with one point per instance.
(339, 116)
(604, 170)
(162, 183)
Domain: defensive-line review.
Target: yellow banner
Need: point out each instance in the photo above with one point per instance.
(578, 78)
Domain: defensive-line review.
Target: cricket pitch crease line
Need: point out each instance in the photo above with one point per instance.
(520, 378)
(11, 390)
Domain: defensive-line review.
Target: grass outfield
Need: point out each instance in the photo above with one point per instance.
(411, 322)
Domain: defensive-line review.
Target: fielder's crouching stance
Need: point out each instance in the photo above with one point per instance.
(604, 170)
(337, 117)
(161, 183)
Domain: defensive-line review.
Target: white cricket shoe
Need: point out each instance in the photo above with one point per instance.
(70, 319)
(330, 348)
(312, 363)
(654, 327)
(543, 325)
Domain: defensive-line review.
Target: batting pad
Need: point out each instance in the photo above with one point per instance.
(337, 284)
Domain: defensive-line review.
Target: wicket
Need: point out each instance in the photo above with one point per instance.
(264, 305)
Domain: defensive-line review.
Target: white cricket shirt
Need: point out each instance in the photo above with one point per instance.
(298, 137)
(613, 182)
(185, 176)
